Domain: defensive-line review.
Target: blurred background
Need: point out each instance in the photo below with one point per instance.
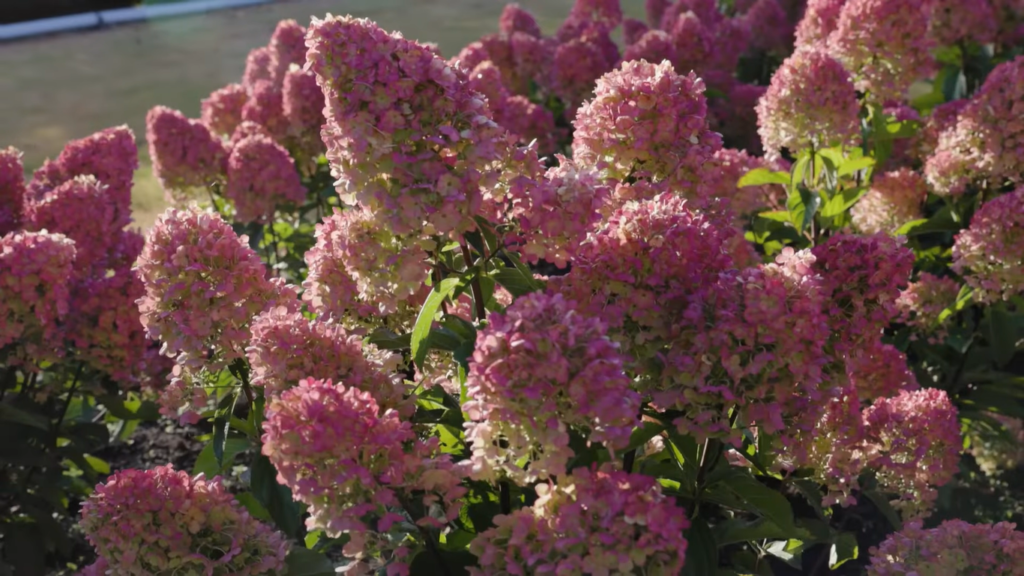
(60, 87)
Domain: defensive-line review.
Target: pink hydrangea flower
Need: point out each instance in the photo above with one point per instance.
(810, 102)
(83, 210)
(287, 48)
(721, 183)
(954, 21)
(735, 116)
(259, 67)
(261, 176)
(953, 547)
(359, 267)
(987, 140)
(555, 215)
(693, 44)
(990, 253)
(514, 18)
(862, 277)
(893, 199)
(632, 31)
(942, 118)
(406, 136)
(879, 370)
(592, 522)
(35, 269)
(162, 521)
(820, 19)
(108, 155)
(528, 122)
(576, 65)
(769, 25)
(303, 108)
(12, 190)
(204, 285)
(882, 44)
(913, 443)
(655, 10)
(706, 10)
(245, 130)
(266, 108)
(540, 368)
(922, 302)
(605, 13)
(647, 122)
(652, 46)
(358, 467)
(286, 347)
(222, 110)
(185, 154)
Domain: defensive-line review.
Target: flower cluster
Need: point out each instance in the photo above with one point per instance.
(203, 287)
(358, 467)
(83, 210)
(883, 44)
(12, 190)
(986, 141)
(286, 348)
(34, 272)
(953, 547)
(894, 199)
(810, 102)
(954, 21)
(821, 17)
(185, 154)
(862, 277)
(222, 109)
(879, 370)
(406, 136)
(990, 253)
(358, 266)
(721, 183)
(922, 302)
(260, 176)
(646, 122)
(303, 108)
(161, 521)
(913, 443)
(592, 522)
(540, 369)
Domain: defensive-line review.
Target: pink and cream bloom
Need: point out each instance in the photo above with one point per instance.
(652, 46)
(878, 370)
(266, 108)
(514, 18)
(303, 108)
(769, 25)
(185, 154)
(883, 45)
(12, 190)
(109, 155)
(163, 521)
(287, 48)
(83, 210)
(821, 18)
(539, 369)
(693, 44)
(591, 522)
(985, 146)
(955, 21)
(286, 347)
(222, 109)
(35, 270)
(203, 286)
(953, 547)
(258, 67)
(913, 443)
(921, 304)
(893, 199)
(811, 102)
(989, 254)
(359, 468)
(406, 136)
(360, 268)
(261, 176)
(647, 122)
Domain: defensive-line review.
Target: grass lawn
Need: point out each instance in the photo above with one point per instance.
(63, 87)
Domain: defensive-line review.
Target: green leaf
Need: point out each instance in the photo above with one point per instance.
(843, 550)
(253, 506)
(842, 201)
(901, 129)
(440, 561)
(387, 340)
(312, 538)
(277, 499)
(789, 551)
(737, 530)
(802, 204)
(762, 176)
(643, 433)
(775, 216)
(1002, 334)
(99, 465)
(515, 281)
(881, 501)
(812, 492)
(304, 562)
(909, 227)
(760, 499)
(426, 317)
(701, 549)
(855, 164)
(18, 416)
(206, 462)
(131, 409)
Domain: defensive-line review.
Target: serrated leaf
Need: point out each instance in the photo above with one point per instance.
(515, 281)
(206, 462)
(842, 201)
(758, 498)
(421, 329)
(762, 176)
(802, 204)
